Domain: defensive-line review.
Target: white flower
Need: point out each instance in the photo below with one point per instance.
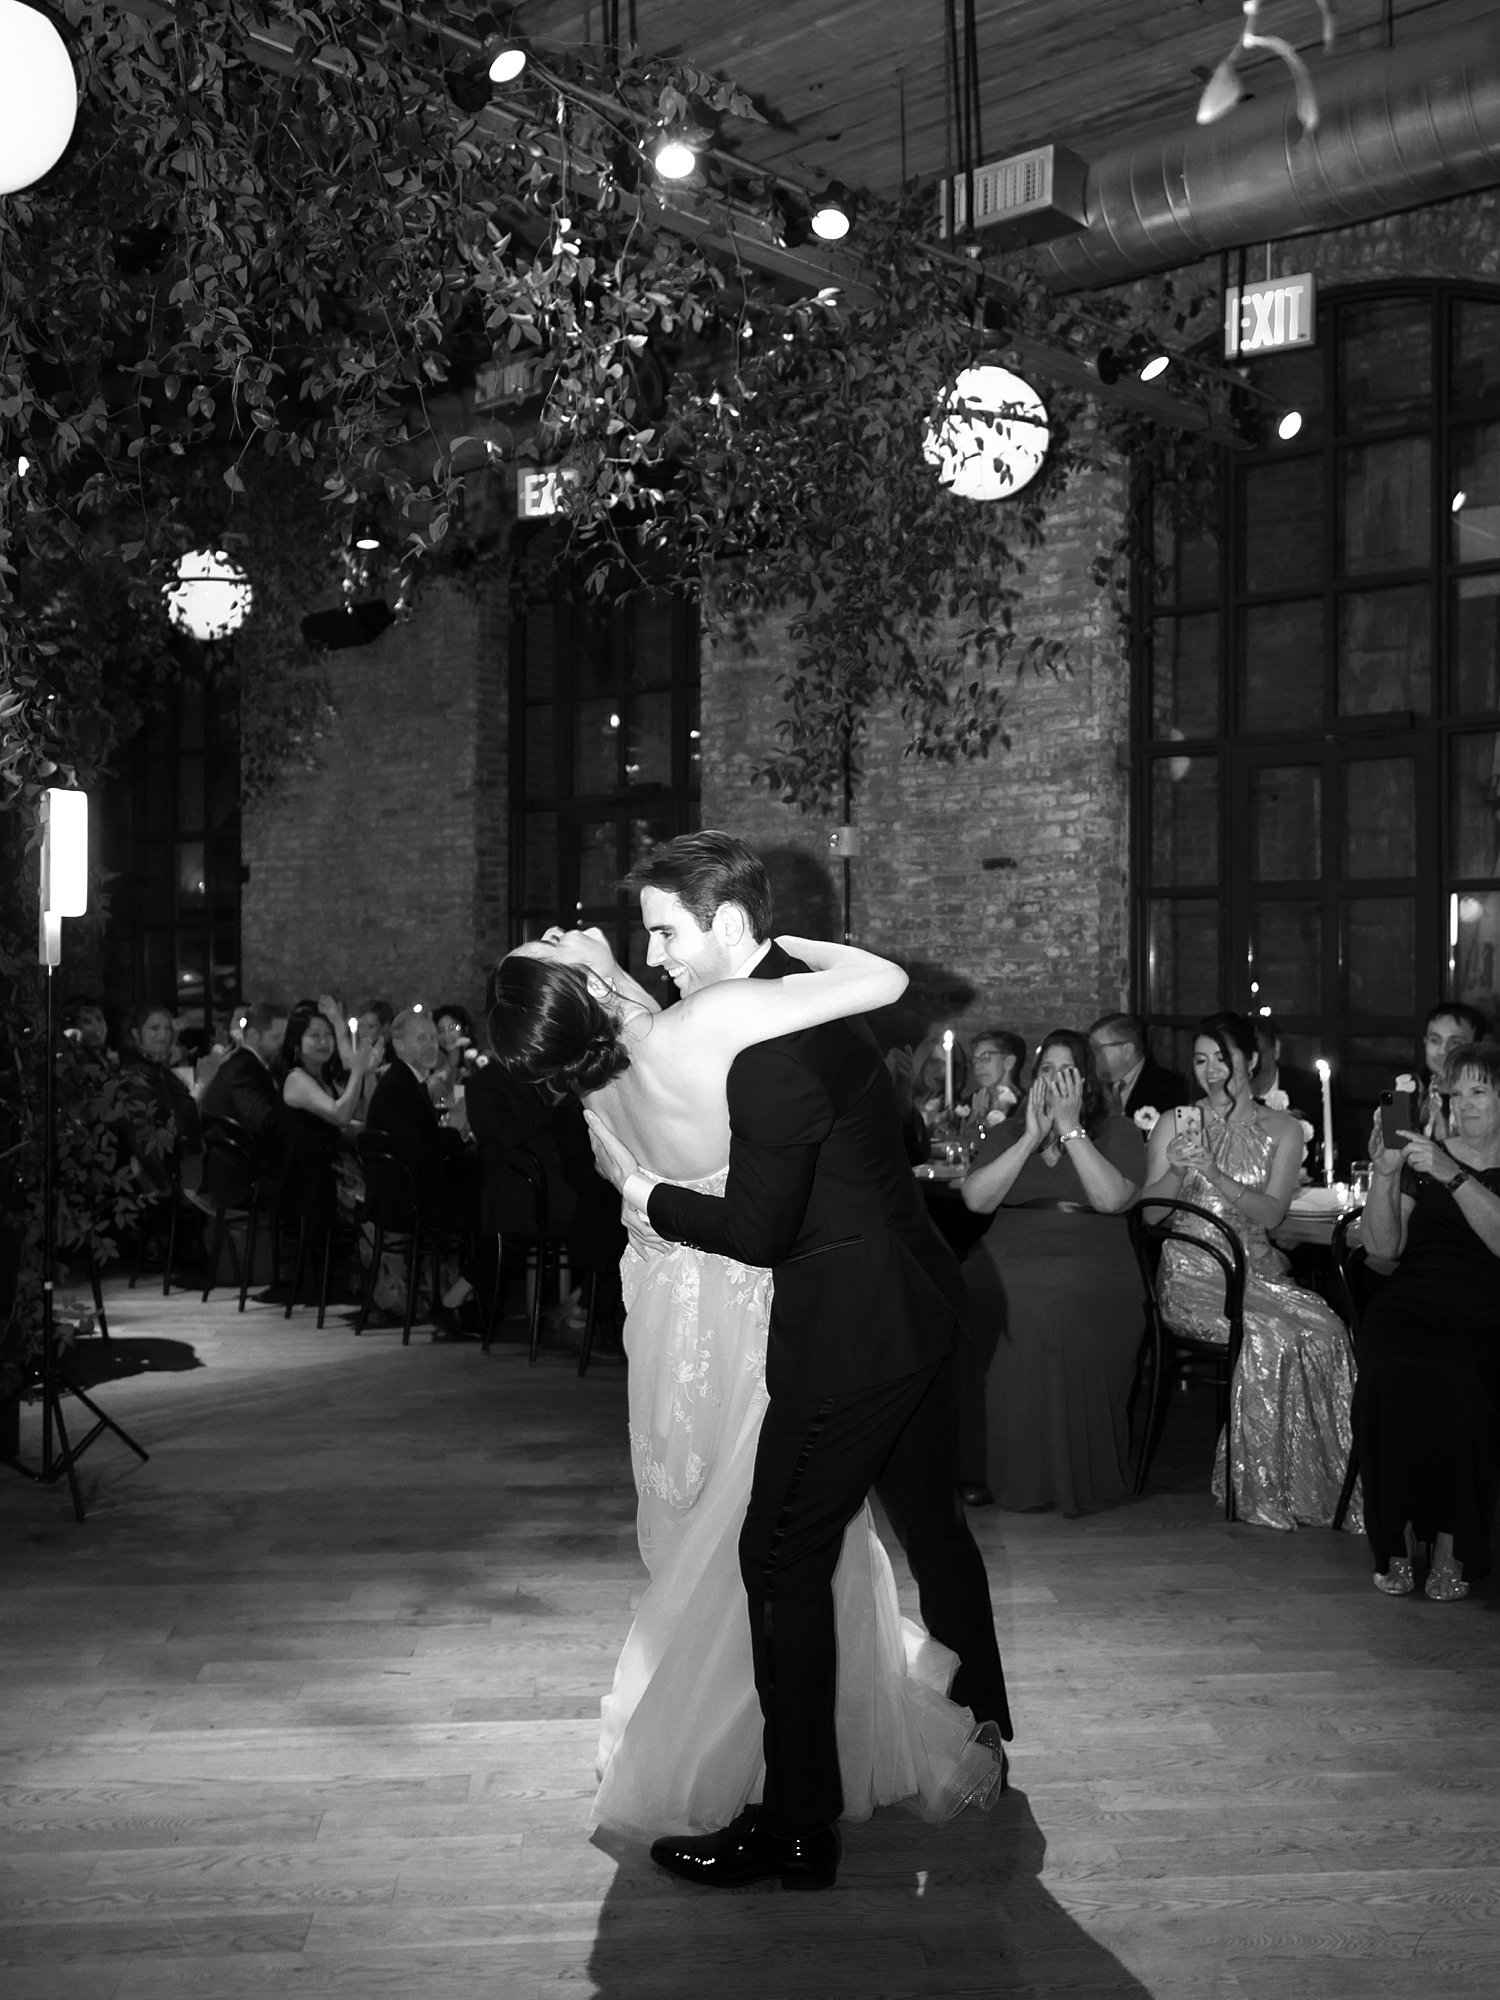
(994, 1117)
(1277, 1100)
(1307, 1132)
(1405, 1082)
(1147, 1118)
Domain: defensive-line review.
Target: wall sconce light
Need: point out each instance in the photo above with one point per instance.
(38, 96)
(989, 436)
(212, 596)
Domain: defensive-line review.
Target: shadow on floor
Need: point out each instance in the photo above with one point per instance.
(918, 1909)
(90, 1362)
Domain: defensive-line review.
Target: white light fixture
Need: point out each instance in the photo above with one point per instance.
(507, 63)
(38, 96)
(1455, 506)
(989, 436)
(65, 867)
(1289, 425)
(1156, 367)
(675, 158)
(212, 596)
(832, 213)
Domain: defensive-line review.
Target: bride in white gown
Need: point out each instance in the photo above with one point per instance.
(681, 1728)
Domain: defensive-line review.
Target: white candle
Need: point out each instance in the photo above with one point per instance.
(1325, 1074)
(948, 1068)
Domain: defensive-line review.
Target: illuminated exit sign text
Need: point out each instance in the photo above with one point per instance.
(1265, 318)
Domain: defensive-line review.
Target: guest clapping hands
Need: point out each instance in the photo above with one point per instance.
(1046, 1282)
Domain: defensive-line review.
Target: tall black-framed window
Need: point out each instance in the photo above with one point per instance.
(604, 753)
(170, 839)
(1318, 698)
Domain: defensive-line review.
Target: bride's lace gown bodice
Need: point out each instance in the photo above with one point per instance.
(680, 1730)
(1289, 1417)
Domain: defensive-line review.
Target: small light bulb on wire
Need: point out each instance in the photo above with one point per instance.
(1290, 424)
(675, 158)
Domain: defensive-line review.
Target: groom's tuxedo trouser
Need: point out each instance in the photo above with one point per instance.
(814, 1466)
(918, 1490)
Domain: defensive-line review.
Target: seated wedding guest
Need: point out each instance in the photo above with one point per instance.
(374, 1018)
(245, 1089)
(400, 1110)
(1289, 1406)
(999, 1063)
(316, 1089)
(82, 1021)
(209, 1064)
(456, 1052)
(1132, 1080)
(1448, 1026)
(1427, 1406)
(1053, 1287)
(161, 1119)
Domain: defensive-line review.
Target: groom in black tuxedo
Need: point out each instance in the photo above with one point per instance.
(865, 1311)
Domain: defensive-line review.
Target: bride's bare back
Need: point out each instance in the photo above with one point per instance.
(669, 1107)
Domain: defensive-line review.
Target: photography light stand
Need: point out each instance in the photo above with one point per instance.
(64, 893)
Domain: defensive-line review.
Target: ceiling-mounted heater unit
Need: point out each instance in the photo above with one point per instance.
(1029, 198)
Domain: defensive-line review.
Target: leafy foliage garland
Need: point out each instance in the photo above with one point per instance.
(284, 230)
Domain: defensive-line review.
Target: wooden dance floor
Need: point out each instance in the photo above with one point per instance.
(308, 1706)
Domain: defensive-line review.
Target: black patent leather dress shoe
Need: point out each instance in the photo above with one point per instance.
(976, 1496)
(748, 1851)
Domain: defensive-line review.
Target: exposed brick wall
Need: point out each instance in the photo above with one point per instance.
(1031, 944)
(364, 877)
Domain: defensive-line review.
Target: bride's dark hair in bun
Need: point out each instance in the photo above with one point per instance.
(547, 1027)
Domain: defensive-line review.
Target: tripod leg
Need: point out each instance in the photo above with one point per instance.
(98, 1297)
(166, 1276)
(63, 1466)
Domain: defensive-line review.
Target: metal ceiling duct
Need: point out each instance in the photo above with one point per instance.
(1397, 129)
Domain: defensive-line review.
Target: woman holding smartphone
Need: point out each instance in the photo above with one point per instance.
(1427, 1412)
(1289, 1403)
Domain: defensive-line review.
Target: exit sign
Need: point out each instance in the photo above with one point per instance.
(1265, 318)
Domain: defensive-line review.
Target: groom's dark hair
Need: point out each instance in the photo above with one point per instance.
(703, 870)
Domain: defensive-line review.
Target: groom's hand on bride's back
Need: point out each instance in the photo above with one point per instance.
(614, 1160)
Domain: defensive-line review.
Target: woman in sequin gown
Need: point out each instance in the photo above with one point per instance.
(681, 1730)
(1290, 1400)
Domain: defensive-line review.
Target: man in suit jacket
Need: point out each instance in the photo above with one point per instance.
(244, 1089)
(865, 1311)
(1132, 1080)
(402, 1112)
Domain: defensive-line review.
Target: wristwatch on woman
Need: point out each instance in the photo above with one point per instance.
(1458, 1180)
(1077, 1133)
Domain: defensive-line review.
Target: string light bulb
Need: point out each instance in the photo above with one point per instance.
(675, 159)
(833, 213)
(507, 63)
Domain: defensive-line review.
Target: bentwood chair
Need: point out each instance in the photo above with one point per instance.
(235, 1184)
(393, 1210)
(544, 1253)
(1171, 1354)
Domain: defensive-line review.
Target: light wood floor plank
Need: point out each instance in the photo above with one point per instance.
(308, 1706)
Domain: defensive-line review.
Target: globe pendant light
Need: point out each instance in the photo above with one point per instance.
(212, 595)
(38, 96)
(989, 436)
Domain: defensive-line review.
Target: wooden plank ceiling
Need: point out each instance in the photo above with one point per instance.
(839, 78)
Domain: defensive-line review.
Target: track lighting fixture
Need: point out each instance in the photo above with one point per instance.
(507, 60)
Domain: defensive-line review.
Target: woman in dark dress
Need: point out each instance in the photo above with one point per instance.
(162, 1120)
(1053, 1287)
(1427, 1404)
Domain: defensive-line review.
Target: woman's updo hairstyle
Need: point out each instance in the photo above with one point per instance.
(546, 1027)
